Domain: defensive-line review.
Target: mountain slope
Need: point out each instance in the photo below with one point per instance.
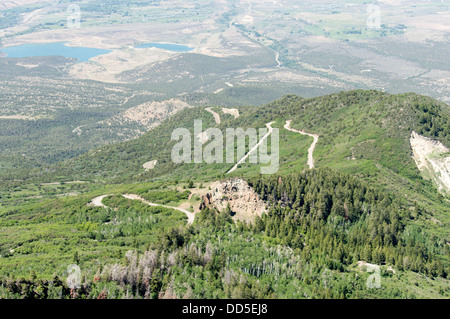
(361, 132)
(365, 201)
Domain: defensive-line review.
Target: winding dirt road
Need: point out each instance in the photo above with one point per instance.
(287, 126)
(97, 201)
(254, 148)
(216, 115)
(234, 112)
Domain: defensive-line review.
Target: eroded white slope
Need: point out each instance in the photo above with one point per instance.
(433, 159)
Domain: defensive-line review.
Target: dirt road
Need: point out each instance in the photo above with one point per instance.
(254, 148)
(287, 126)
(97, 201)
(216, 115)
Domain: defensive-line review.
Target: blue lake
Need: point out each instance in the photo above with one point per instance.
(166, 46)
(82, 54)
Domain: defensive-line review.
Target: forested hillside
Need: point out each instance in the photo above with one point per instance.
(335, 215)
(364, 205)
(370, 126)
(362, 133)
(320, 224)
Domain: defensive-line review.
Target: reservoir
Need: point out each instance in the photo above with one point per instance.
(82, 54)
(166, 46)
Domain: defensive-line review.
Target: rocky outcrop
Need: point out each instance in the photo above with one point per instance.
(244, 202)
(150, 114)
(206, 202)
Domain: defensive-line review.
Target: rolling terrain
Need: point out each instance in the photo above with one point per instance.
(365, 197)
(243, 53)
(349, 101)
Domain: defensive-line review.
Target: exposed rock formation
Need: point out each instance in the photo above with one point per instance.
(243, 200)
(433, 160)
(206, 202)
(150, 114)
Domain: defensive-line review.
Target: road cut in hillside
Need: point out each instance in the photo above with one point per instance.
(216, 115)
(287, 126)
(254, 148)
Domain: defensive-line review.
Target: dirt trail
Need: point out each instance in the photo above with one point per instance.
(190, 216)
(234, 112)
(254, 148)
(287, 126)
(216, 115)
(98, 203)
